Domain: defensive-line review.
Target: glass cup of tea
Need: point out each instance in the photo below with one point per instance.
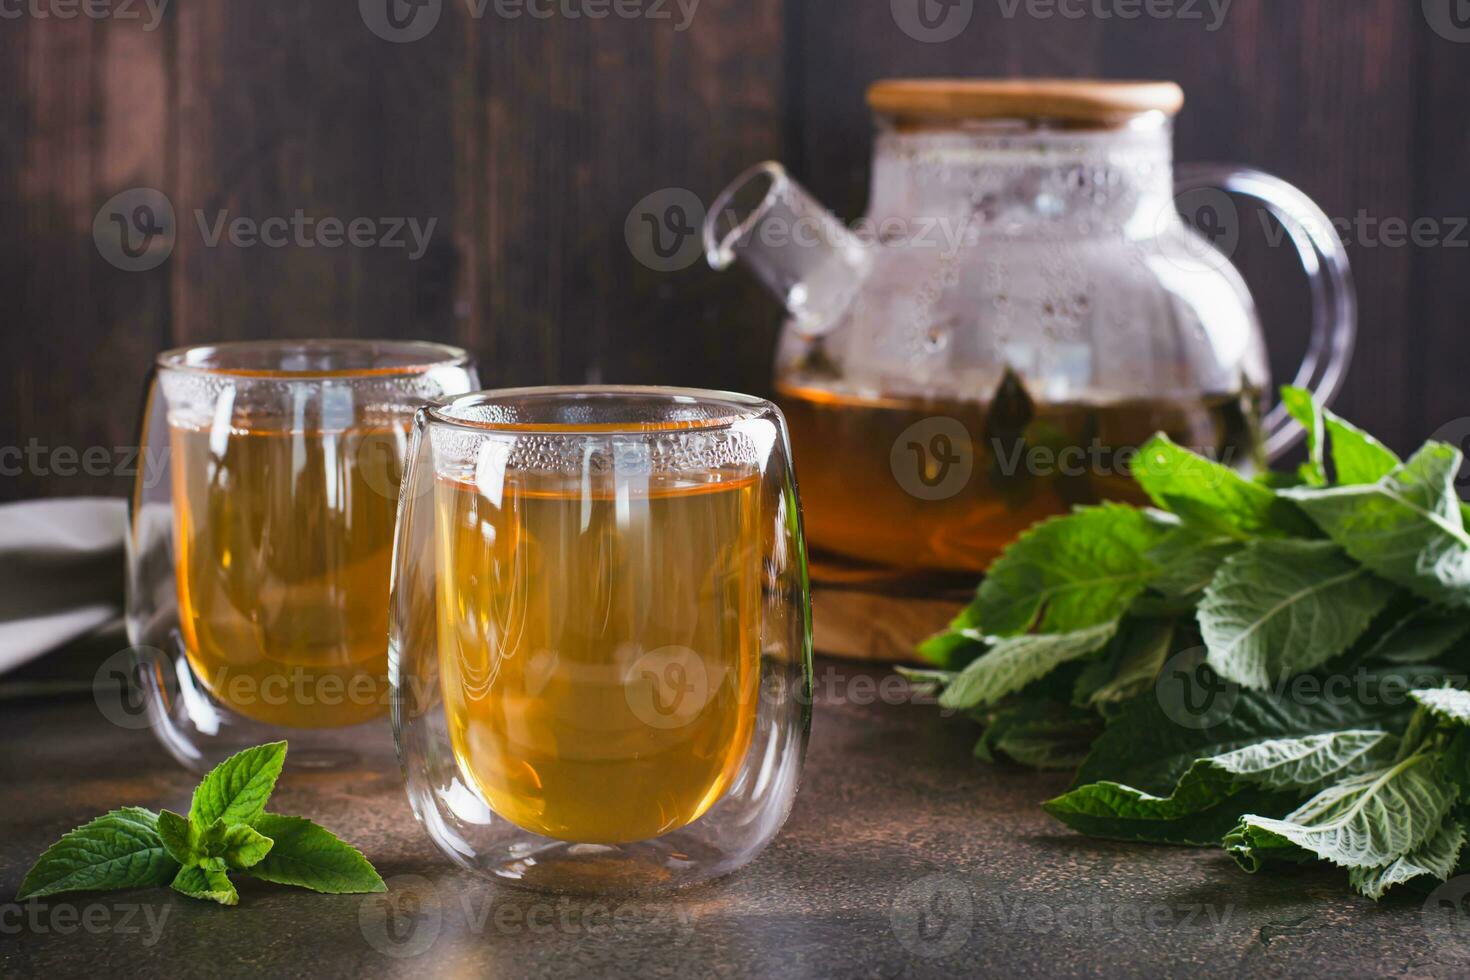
(261, 535)
(600, 637)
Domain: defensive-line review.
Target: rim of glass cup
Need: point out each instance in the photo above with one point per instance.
(385, 358)
(732, 408)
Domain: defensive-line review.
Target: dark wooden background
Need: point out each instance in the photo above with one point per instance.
(531, 139)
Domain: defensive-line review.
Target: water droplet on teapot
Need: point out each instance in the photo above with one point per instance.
(1048, 204)
(936, 338)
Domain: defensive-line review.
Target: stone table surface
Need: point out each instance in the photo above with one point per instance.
(903, 856)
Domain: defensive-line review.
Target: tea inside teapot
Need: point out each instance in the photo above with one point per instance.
(947, 484)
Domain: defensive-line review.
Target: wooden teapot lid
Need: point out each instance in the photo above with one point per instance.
(1075, 100)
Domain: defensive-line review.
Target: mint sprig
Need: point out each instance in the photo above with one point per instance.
(1158, 651)
(227, 831)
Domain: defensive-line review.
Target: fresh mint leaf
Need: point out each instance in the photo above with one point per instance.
(237, 789)
(173, 830)
(1188, 559)
(1040, 734)
(1129, 666)
(121, 849)
(1281, 608)
(1014, 662)
(207, 880)
(1308, 412)
(1435, 858)
(1357, 457)
(1423, 636)
(1447, 704)
(1366, 821)
(950, 651)
(1070, 573)
(1206, 801)
(310, 856)
(1407, 527)
(1146, 748)
(240, 846)
(1211, 497)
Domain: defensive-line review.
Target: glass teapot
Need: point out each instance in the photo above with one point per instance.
(1021, 308)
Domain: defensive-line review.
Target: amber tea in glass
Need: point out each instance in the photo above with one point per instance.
(600, 647)
(260, 553)
(284, 545)
(600, 633)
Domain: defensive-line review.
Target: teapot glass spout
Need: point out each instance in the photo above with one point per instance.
(798, 248)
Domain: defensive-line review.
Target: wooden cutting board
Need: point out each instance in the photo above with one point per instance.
(867, 613)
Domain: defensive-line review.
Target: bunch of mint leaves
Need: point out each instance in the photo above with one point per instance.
(1318, 620)
(227, 830)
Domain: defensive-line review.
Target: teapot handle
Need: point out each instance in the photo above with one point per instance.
(1334, 298)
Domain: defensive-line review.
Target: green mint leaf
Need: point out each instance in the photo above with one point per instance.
(173, 830)
(1146, 747)
(1366, 821)
(1436, 858)
(1281, 608)
(950, 651)
(1307, 411)
(309, 856)
(1421, 637)
(237, 789)
(1014, 662)
(1357, 457)
(1407, 527)
(121, 849)
(208, 881)
(1072, 572)
(1447, 704)
(1188, 559)
(1041, 735)
(1208, 799)
(1130, 666)
(242, 846)
(1211, 497)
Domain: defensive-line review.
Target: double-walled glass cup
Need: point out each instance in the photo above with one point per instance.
(601, 634)
(260, 544)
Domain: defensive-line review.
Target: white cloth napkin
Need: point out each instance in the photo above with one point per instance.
(61, 573)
